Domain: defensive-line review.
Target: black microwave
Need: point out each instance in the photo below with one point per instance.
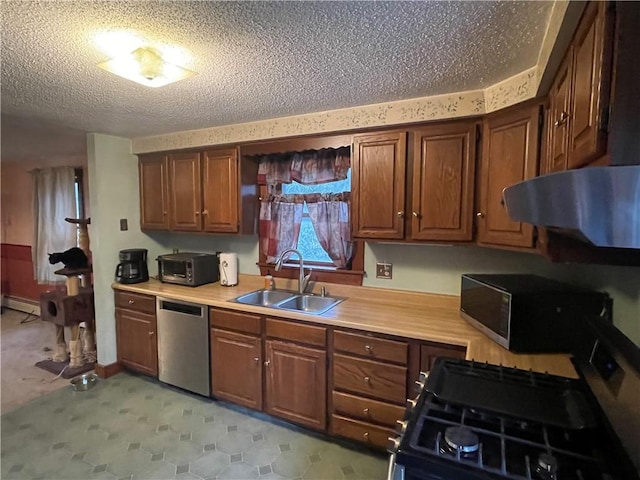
(186, 268)
(528, 313)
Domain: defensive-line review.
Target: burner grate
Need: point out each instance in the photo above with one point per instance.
(510, 448)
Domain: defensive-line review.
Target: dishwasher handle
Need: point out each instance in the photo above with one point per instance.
(184, 308)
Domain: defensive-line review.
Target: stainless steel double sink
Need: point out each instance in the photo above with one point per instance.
(291, 301)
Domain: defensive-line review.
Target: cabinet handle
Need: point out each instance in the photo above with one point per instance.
(151, 334)
(257, 360)
(197, 214)
(563, 119)
(366, 411)
(400, 214)
(368, 348)
(367, 380)
(366, 435)
(165, 213)
(480, 215)
(267, 363)
(416, 214)
(205, 212)
(131, 302)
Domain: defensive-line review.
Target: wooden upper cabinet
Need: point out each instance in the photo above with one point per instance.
(559, 119)
(378, 185)
(443, 178)
(154, 192)
(510, 155)
(580, 94)
(591, 85)
(186, 199)
(220, 190)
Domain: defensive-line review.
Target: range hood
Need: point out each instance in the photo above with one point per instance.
(599, 205)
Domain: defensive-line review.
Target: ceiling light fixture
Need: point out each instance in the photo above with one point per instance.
(146, 66)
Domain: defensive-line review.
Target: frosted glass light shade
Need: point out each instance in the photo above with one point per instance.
(145, 66)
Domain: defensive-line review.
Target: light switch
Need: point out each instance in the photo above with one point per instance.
(124, 226)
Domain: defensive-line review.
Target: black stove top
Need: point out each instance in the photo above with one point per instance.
(467, 425)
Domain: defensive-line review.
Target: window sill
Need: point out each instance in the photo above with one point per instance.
(319, 273)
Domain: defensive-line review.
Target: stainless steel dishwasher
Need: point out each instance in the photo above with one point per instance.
(183, 345)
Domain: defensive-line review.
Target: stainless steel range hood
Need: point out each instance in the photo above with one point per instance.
(600, 205)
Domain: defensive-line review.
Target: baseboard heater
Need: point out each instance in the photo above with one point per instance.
(21, 304)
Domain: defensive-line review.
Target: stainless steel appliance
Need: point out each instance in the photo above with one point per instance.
(527, 313)
(183, 345)
(187, 268)
(480, 421)
(133, 266)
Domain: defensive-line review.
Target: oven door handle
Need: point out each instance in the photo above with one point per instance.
(395, 472)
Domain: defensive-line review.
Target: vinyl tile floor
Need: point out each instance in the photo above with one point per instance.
(133, 427)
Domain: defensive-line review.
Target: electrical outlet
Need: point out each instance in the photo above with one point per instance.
(384, 270)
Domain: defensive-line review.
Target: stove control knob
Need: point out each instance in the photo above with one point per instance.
(401, 426)
(394, 443)
(422, 380)
(423, 376)
(411, 403)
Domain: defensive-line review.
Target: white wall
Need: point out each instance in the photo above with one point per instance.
(113, 187)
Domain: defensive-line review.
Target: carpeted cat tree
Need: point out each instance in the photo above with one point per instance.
(72, 308)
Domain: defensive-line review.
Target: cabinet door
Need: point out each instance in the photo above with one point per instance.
(137, 342)
(559, 119)
(236, 368)
(220, 190)
(591, 71)
(429, 353)
(186, 199)
(378, 185)
(443, 174)
(296, 383)
(510, 155)
(154, 194)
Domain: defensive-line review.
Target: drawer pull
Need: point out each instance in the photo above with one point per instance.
(366, 435)
(131, 302)
(368, 348)
(367, 380)
(151, 334)
(257, 360)
(366, 411)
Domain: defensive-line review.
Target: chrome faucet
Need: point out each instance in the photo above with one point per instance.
(303, 280)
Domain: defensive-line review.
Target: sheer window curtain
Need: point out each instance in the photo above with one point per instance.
(53, 201)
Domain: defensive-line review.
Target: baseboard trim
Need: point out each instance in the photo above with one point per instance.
(106, 371)
(21, 304)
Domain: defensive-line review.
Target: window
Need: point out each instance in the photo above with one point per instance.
(308, 243)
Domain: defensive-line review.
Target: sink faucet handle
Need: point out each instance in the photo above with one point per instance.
(323, 292)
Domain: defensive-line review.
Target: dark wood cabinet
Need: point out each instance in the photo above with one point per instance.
(185, 194)
(153, 173)
(137, 344)
(580, 94)
(200, 191)
(236, 357)
(443, 178)
(296, 383)
(236, 367)
(511, 147)
(220, 191)
(378, 185)
(430, 351)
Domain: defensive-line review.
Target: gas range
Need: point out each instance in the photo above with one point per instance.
(479, 421)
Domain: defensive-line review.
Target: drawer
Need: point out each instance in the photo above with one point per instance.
(371, 347)
(242, 322)
(297, 332)
(374, 379)
(364, 432)
(135, 301)
(367, 409)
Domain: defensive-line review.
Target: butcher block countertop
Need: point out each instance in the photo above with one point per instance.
(417, 315)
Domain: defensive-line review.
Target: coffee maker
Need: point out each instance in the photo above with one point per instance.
(133, 266)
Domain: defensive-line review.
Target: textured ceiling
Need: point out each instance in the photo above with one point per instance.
(256, 60)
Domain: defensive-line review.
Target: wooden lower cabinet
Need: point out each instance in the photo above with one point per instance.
(430, 351)
(136, 333)
(236, 367)
(296, 383)
(372, 435)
